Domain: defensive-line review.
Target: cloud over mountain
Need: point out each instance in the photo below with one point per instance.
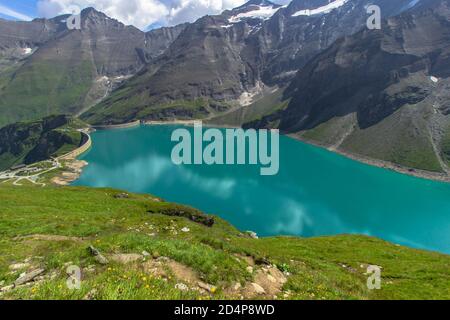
(142, 13)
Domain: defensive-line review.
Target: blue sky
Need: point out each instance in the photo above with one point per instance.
(18, 8)
(140, 13)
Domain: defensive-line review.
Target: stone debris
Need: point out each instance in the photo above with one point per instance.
(181, 287)
(258, 289)
(122, 196)
(90, 295)
(97, 255)
(185, 229)
(126, 258)
(268, 281)
(271, 279)
(90, 269)
(207, 287)
(19, 266)
(252, 234)
(7, 288)
(27, 277)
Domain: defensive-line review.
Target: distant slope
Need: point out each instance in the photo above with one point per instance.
(30, 142)
(383, 94)
(225, 60)
(271, 101)
(57, 70)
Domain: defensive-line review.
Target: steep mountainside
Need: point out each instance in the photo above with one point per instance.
(202, 72)
(50, 69)
(30, 142)
(300, 31)
(227, 60)
(380, 93)
(18, 39)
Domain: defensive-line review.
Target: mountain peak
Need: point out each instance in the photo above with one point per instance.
(91, 12)
(253, 9)
(262, 3)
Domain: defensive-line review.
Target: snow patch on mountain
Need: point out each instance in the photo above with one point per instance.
(321, 10)
(27, 51)
(260, 12)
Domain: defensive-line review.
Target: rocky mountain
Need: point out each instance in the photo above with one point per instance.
(204, 71)
(226, 61)
(304, 28)
(56, 70)
(310, 68)
(383, 93)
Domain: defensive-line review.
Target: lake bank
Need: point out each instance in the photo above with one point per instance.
(417, 173)
(310, 196)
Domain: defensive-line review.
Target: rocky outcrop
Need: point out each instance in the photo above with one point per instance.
(379, 93)
(27, 143)
(224, 58)
(70, 64)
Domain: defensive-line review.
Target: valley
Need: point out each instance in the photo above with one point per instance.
(97, 174)
(252, 66)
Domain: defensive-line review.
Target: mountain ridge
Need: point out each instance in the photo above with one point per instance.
(226, 60)
(67, 71)
(380, 93)
(222, 65)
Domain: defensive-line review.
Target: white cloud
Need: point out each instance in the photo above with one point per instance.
(139, 13)
(142, 13)
(190, 10)
(14, 14)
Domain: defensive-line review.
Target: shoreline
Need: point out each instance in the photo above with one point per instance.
(173, 122)
(117, 126)
(412, 172)
(73, 167)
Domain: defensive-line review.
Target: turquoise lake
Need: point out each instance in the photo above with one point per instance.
(316, 192)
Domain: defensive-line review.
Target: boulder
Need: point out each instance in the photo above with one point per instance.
(27, 277)
(97, 255)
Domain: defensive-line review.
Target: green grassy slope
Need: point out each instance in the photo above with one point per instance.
(269, 103)
(133, 102)
(402, 138)
(30, 142)
(320, 268)
(43, 87)
(121, 108)
(446, 146)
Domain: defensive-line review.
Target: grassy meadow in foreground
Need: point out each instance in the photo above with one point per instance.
(155, 256)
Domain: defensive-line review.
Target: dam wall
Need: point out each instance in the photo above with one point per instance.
(79, 151)
(118, 126)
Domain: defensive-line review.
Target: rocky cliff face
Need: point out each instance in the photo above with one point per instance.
(377, 93)
(50, 69)
(380, 93)
(300, 31)
(205, 70)
(232, 57)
